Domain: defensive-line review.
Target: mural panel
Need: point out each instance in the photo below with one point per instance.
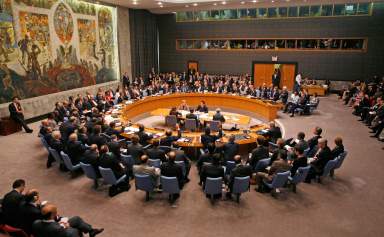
(43, 51)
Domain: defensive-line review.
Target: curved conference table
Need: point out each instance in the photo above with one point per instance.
(191, 140)
(265, 109)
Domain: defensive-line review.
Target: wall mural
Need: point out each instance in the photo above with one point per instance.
(48, 46)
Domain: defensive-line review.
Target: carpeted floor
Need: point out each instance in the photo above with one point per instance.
(350, 205)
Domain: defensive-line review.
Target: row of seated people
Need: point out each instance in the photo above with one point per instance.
(24, 214)
(367, 104)
(301, 101)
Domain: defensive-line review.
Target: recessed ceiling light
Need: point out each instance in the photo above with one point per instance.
(159, 3)
(135, 3)
(214, 4)
(161, 6)
(223, 2)
(272, 1)
(195, 4)
(186, 5)
(242, 2)
(254, 1)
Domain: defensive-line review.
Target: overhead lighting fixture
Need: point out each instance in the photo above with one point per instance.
(223, 2)
(272, 1)
(135, 3)
(214, 4)
(195, 4)
(254, 1)
(159, 3)
(186, 5)
(161, 6)
(242, 2)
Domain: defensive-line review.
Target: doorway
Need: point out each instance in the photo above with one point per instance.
(262, 72)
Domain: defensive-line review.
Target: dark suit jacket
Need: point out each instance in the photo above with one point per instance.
(337, 151)
(156, 153)
(218, 117)
(108, 160)
(297, 163)
(114, 147)
(57, 145)
(43, 228)
(144, 138)
(211, 171)
(97, 139)
(239, 171)
(206, 139)
(259, 153)
(323, 157)
(204, 158)
(135, 151)
(313, 141)
(10, 207)
(75, 151)
(170, 169)
(202, 109)
(276, 153)
(29, 213)
(13, 111)
(275, 133)
(167, 141)
(230, 149)
(83, 138)
(192, 116)
(110, 131)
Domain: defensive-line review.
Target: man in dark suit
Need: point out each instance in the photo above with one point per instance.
(91, 157)
(30, 210)
(56, 144)
(143, 136)
(274, 132)
(11, 203)
(181, 156)
(214, 170)
(16, 114)
(338, 149)
(207, 138)
(320, 160)
(218, 116)
(135, 149)
(230, 149)
(96, 138)
(169, 139)
(276, 79)
(114, 146)
(111, 129)
(54, 225)
(75, 149)
(260, 152)
(171, 169)
(242, 169)
(206, 157)
(154, 153)
(67, 128)
(280, 150)
(202, 108)
(193, 116)
(312, 143)
(300, 159)
(300, 141)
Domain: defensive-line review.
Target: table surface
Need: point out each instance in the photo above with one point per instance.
(231, 118)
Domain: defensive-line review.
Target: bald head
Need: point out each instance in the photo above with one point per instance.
(49, 211)
(172, 156)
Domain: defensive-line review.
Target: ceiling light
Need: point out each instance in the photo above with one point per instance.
(214, 4)
(195, 4)
(135, 3)
(161, 6)
(223, 2)
(242, 2)
(186, 5)
(272, 1)
(254, 1)
(159, 3)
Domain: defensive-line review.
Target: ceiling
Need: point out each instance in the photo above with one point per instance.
(169, 6)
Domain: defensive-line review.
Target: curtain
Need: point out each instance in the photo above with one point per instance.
(144, 42)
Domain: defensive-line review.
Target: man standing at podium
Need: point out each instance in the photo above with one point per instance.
(16, 114)
(276, 78)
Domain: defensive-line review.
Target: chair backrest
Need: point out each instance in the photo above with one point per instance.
(166, 149)
(128, 160)
(182, 164)
(262, 164)
(67, 160)
(213, 185)
(88, 170)
(340, 159)
(144, 182)
(170, 184)
(272, 145)
(108, 175)
(241, 184)
(214, 125)
(155, 163)
(301, 174)
(230, 164)
(328, 167)
(170, 120)
(55, 154)
(190, 124)
(280, 179)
